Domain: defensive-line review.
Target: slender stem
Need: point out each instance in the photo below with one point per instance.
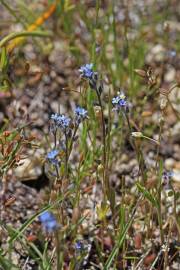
(159, 212)
(138, 152)
(68, 150)
(55, 137)
(159, 145)
(72, 140)
(66, 158)
(150, 139)
(175, 204)
(12, 36)
(105, 180)
(103, 128)
(160, 220)
(173, 109)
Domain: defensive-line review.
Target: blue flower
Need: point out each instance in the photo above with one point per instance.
(79, 246)
(87, 71)
(115, 100)
(122, 103)
(119, 102)
(48, 221)
(54, 123)
(63, 121)
(51, 156)
(81, 114)
(55, 117)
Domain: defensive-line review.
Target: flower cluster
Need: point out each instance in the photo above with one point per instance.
(120, 102)
(55, 117)
(87, 71)
(80, 115)
(64, 121)
(48, 221)
(60, 120)
(52, 157)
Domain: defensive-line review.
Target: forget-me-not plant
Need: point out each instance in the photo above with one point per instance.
(48, 222)
(120, 102)
(80, 115)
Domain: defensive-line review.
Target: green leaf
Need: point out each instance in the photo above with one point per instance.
(30, 220)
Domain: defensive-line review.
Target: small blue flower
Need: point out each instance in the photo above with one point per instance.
(122, 103)
(81, 114)
(51, 157)
(45, 216)
(55, 117)
(52, 154)
(119, 102)
(79, 246)
(63, 121)
(87, 71)
(54, 123)
(115, 100)
(48, 221)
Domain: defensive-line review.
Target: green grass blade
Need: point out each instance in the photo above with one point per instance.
(121, 239)
(29, 221)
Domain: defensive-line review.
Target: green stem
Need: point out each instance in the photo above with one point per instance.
(160, 221)
(138, 152)
(67, 155)
(175, 205)
(71, 143)
(159, 212)
(12, 36)
(105, 180)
